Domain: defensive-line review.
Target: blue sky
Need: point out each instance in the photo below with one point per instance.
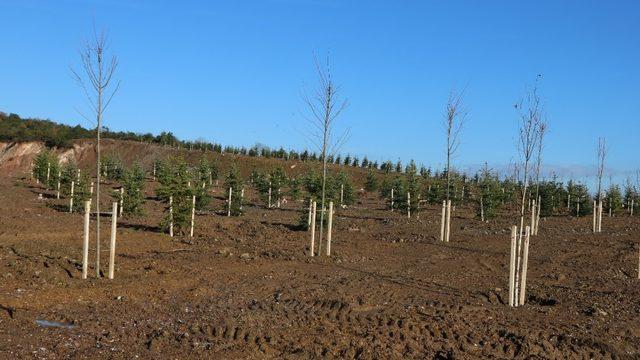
(233, 72)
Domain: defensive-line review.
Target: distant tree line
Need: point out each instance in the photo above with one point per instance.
(15, 128)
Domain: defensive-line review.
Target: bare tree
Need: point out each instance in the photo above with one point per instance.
(95, 77)
(454, 120)
(602, 155)
(530, 110)
(324, 107)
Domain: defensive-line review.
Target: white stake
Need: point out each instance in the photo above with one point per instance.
(229, 210)
(444, 219)
(78, 176)
(193, 213)
(512, 266)
(171, 216)
(71, 198)
(278, 202)
(241, 198)
(391, 199)
(600, 207)
(310, 211)
(533, 214)
(525, 261)
(269, 206)
(48, 172)
(112, 247)
(85, 240)
(341, 194)
(91, 189)
(313, 228)
(58, 187)
(121, 202)
(329, 227)
(632, 206)
(518, 261)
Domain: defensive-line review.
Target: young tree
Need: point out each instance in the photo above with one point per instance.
(294, 188)
(46, 164)
(530, 111)
(325, 106)
(489, 194)
(614, 199)
(68, 174)
(630, 195)
(133, 183)
(173, 177)
(95, 78)
(602, 155)
(112, 167)
(454, 120)
(234, 181)
(81, 191)
(372, 182)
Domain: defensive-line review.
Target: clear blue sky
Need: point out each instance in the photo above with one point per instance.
(233, 72)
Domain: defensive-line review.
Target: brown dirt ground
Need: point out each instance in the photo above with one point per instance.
(390, 290)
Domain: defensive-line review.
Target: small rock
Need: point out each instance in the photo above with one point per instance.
(225, 251)
(245, 256)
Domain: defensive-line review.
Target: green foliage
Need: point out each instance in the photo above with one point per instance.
(81, 191)
(294, 189)
(630, 195)
(408, 188)
(489, 194)
(46, 162)
(202, 182)
(436, 192)
(234, 181)
(385, 188)
(173, 177)
(313, 184)
(372, 182)
(340, 181)
(112, 167)
(69, 173)
(551, 195)
(133, 197)
(579, 195)
(613, 199)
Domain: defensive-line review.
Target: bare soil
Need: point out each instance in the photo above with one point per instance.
(245, 287)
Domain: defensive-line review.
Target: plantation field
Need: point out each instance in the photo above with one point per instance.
(245, 287)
